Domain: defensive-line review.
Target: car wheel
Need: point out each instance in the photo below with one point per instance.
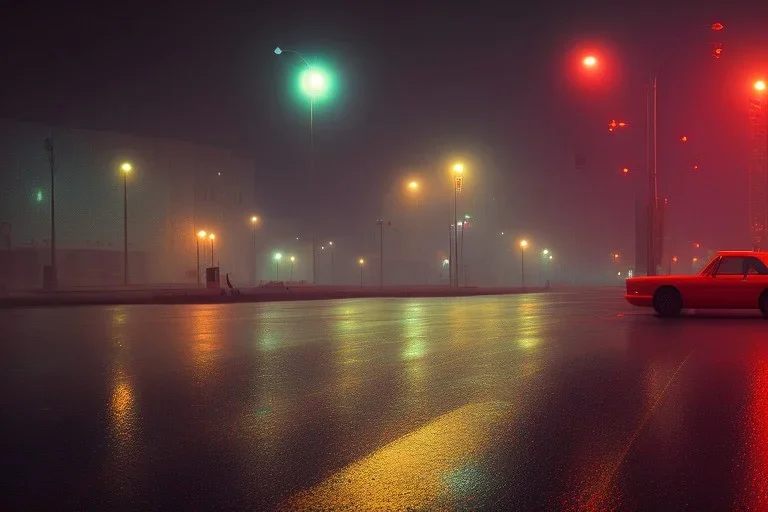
(667, 301)
(763, 303)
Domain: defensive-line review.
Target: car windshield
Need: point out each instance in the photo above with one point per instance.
(710, 267)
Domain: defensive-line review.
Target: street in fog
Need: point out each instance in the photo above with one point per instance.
(568, 399)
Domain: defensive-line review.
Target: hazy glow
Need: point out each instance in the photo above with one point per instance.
(278, 256)
(202, 234)
(589, 61)
(126, 167)
(254, 219)
(458, 167)
(361, 261)
(314, 82)
(293, 258)
(760, 85)
(211, 236)
(413, 185)
(523, 243)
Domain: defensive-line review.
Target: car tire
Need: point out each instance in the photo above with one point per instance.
(762, 303)
(667, 301)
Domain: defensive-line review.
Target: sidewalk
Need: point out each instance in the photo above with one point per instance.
(261, 294)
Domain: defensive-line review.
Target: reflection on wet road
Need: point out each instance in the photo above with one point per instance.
(566, 400)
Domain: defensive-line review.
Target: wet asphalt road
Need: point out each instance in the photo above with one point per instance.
(569, 400)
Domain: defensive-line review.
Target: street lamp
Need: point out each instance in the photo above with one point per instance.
(760, 85)
(254, 222)
(126, 168)
(211, 237)
(200, 234)
(361, 262)
(413, 186)
(523, 246)
(330, 244)
(293, 260)
(278, 257)
(458, 171)
(314, 84)
(590, 61)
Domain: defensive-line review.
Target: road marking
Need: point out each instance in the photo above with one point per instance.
(412, 472)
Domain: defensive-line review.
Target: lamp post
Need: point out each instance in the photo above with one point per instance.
(361, 262)
(278, 257)
(413, 188)
(126, 168)
(330, 244)
(211, 237)
(314, 84)
(52, 163)
(523, 245)
(254, 221)
(293, 260)
(200, 234)
(458, 171)
(544, 255)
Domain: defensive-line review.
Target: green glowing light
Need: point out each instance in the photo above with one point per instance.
(39, 196)
(316, 83)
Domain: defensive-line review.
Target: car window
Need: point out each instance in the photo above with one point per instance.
(757, 267)
(732, 265)
(740, 265)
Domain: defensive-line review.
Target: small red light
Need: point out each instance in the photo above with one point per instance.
(718, 51)
(625, 170)
(684, 138)
(674, 259)
(695, 167)
(696, 245)
(717, 27)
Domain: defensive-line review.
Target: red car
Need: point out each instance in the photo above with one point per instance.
(732, 280)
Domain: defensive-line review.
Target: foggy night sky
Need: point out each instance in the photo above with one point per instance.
(493, 82)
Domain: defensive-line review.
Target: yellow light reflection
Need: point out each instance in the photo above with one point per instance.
(415, 333)
(414, 472)
(121, 408)
(529, 316)
(205, 324)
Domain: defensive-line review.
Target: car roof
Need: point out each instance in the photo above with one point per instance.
(761, 255)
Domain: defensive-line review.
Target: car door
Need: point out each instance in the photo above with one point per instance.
(731, 287)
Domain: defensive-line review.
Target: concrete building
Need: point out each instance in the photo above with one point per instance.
(174, 190)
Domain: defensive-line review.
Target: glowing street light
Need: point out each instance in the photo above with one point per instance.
(126, 169)
(625, 170)
(413, 186)
(545, 252)
(200, 235)
(759, 85)
(361, 262)
(458, 171)
(614, 124)
(523, 246)
(293, 260)
(590, 61)
(278, 256)
(314, 83)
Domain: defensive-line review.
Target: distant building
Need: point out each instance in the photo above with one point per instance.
(174, 190)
